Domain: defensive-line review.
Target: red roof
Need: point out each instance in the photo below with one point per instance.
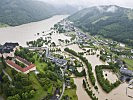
(18, 67)
(23, 60)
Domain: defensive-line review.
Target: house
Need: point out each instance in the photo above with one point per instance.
(120, 63)
(131, 82)
(131, 50)
(71, 68)
(29, 66)
(127, 72)
(60, 62)
(8, 49)
(67, 82)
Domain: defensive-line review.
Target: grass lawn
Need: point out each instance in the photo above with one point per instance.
(129, 63)
(71, 93)
(40, 66)
(40, 93)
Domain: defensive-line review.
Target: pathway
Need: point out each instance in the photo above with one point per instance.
(10, 79)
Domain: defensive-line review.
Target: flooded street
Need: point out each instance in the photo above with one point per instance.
(110, 75)
(81, 93)
(27, 32)
(115, 94)
(1, 98)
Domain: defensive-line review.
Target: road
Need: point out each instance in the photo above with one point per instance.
(10, 79)
(62, 71)
(63, 89)
(47, 55)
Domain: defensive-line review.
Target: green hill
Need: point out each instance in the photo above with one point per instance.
(109, 21)
(17, 12)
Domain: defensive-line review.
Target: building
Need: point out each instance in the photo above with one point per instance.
(29, 66)
(8, 49)
(57, 61)
(23, 61)
(131, 50)
(127, 72)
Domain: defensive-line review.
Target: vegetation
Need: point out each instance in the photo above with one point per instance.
(79, 74)
(50, 80)
(40, 92)
(103, 58)
(38, 43)
(108, 24)
(89, 91)
(40, 65)
(59, 28)
(3, 25)
(70, 92)
(105, 84)
(31, 86)
(32, 11)
(29, 11)
(88, 65)
(26, 54)
(129, 62)
(20, 88)
(20, 64)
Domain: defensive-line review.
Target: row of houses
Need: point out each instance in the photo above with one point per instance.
(60, 62)
(57, 61)
(8, 49)
(82, 36)
(67, 25)
(28, 66)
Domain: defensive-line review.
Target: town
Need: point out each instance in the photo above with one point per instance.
(64, 62)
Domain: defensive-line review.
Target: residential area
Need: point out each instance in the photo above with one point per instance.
(65, 62)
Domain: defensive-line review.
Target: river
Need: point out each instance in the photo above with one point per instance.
(27, 32)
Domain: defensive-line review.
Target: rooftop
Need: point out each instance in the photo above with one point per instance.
(23, 60)
(19, 67)
(8, 47)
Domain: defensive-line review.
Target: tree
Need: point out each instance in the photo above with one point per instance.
(32, 92)
(16, 97)
(5, 79)
(25, 96)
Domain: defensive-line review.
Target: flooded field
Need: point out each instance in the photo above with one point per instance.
(110, 75)
(79, 69)
(57, 36)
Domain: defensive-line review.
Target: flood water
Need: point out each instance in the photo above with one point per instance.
(118, 93)
(1, 98)
(27, 32)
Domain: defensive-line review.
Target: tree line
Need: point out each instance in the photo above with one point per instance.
(105, 83)
(89, 67)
